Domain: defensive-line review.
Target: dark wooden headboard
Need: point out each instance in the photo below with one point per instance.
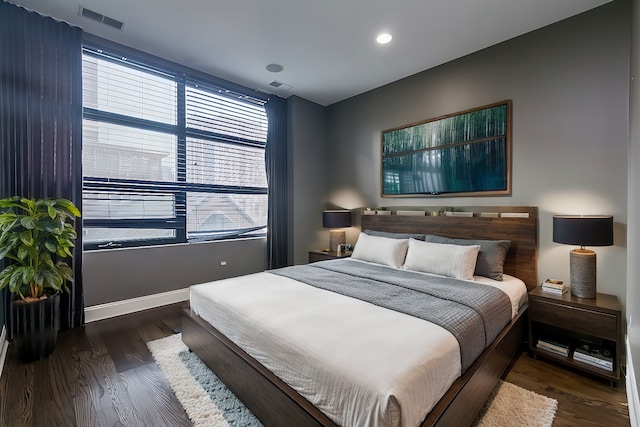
(522, 259)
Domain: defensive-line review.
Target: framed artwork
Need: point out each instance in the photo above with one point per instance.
(467, 153)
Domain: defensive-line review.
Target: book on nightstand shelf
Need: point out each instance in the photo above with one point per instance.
(594, 355)
(554, 286)
(555, 291)
(554, 345)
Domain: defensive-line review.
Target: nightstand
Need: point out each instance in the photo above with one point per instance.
(319, 255)
(577, 320)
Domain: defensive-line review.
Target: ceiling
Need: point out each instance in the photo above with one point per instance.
(327, 47)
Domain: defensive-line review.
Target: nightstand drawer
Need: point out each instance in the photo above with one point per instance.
(597, 324)
(315, 256)
(319, 256)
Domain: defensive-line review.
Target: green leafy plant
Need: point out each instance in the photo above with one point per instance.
(36, 235)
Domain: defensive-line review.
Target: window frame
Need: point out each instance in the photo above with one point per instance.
(183, 77)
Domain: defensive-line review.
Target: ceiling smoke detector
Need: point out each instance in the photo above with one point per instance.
(113, 23)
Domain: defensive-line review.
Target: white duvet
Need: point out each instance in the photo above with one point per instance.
(362, 365)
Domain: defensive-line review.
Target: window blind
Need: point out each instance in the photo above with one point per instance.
(168, 158)
(127, 90)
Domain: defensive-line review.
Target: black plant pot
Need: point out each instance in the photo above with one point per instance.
(35, 327)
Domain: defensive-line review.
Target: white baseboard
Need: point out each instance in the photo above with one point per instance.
(632, 389)
(4, 344)
(118, 308)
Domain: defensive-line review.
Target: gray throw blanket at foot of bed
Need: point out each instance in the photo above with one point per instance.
(473, 313)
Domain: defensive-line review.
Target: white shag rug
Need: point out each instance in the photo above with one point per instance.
(209, 403)
(510, 405)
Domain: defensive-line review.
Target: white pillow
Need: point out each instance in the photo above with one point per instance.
(381, 250)
(441, 258)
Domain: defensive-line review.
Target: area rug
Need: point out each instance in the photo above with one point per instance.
(209, 403)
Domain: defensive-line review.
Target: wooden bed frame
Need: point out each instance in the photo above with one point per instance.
(275, 403)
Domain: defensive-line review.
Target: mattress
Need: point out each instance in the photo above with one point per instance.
(360, 364)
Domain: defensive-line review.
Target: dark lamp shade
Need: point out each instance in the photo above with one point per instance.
(336, 219)
(587, 230)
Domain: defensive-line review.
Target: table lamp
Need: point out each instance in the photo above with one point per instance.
(585, 230)
(336, 219)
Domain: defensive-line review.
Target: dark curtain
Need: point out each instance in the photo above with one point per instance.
(276, 162)
(41, 123)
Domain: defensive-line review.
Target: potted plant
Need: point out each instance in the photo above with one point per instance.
(36, 236)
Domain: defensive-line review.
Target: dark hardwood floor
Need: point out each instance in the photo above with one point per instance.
(582, 401)
(99, 375)
(103, 375)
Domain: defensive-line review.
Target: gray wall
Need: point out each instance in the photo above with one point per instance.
(633, 246)
(569, 86)
(120, 274)
(307, 177)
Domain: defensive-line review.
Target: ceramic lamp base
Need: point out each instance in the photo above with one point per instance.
(336, 237)
(582, 264)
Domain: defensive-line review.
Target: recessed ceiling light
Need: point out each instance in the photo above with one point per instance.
(384, 38)
(275, 68)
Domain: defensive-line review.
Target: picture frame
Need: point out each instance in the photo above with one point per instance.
(467, 153)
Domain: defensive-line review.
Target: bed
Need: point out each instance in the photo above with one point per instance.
(276, 403)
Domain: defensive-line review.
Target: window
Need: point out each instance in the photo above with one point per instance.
(168, 158)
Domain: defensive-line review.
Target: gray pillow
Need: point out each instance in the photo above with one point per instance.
(491, 257)
(394, 235)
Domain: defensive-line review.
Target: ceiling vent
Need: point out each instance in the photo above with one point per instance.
(114, 23)
(280, 85)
